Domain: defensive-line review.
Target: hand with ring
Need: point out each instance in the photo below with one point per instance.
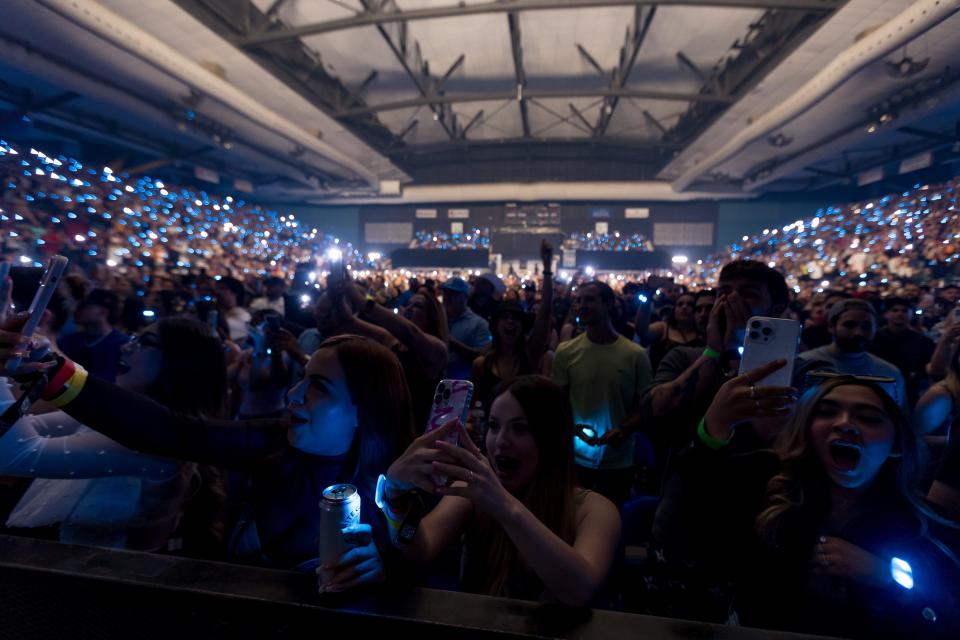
(739, 401)
(838, 558)
(473, 478)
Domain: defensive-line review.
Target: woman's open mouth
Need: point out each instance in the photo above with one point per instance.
(845, 455)
(506, 465)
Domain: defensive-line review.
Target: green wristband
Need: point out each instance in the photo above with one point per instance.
(707, 439)
(712, 353)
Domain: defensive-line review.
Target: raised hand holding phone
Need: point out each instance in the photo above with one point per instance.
(739, 400)
(48, 285)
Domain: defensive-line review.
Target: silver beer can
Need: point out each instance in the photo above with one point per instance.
(339, 509)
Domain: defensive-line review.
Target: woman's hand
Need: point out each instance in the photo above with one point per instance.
(15, 345)
(841, 559)
(738, 400)
(414, 468)
(360, 564)
(473, 478)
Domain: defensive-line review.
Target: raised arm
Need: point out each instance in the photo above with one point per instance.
(430, 350)
(144, 425)
(541, 326)
(32, 449)
(945, 351)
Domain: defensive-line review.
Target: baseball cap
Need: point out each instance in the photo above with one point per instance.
(851, 304)
(457, 284)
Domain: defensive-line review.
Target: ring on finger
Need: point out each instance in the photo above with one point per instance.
(473, 477)
(753, 392)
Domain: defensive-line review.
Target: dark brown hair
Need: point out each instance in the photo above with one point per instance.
(552, 494)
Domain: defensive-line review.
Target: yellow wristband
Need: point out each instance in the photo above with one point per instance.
(74, 386)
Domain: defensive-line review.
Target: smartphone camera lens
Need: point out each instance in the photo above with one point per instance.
(754, 335)
(767, 331)
(755, 324)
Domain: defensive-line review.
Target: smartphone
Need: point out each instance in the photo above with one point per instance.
(770, 339)
(956, 314)
(587, 434)
(451, 400)
(48, 285)
(273, 323)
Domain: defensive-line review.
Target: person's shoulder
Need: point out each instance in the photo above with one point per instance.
(817, 353)
(595, 505)
(888, 367)
(572, 344)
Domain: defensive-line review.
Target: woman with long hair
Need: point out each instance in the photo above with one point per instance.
(515, 350)
(531, 533)
(680, 329)
(97, 490)
(825, 532)
(349, 418)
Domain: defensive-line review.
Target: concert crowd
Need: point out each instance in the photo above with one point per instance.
(206, 368)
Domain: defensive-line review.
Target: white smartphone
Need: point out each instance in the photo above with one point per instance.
(769, 339)
(48, 285)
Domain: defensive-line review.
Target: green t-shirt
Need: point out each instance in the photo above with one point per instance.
(605, 382)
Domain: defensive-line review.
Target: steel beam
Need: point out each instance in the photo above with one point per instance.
(374, 16)
(519, 73)
(534, 94)
(417, 69)
(636, 34)
(582, 119)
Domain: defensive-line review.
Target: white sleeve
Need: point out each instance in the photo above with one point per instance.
(26, 450)
(6, 395)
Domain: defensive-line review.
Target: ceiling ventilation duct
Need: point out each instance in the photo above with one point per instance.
(920, 17)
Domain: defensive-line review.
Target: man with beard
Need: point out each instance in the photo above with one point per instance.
(96, 344)
(853, 325)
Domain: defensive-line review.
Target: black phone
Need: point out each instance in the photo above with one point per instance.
(273, 322)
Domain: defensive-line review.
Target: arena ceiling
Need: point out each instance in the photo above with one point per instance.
(320, 99)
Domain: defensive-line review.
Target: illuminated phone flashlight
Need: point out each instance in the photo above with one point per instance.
(642, 298)
(147, 313)
(919, 312)
(740, 350)
(901, 572)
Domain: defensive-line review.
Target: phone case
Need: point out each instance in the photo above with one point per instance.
(770, 339)
(451, 400)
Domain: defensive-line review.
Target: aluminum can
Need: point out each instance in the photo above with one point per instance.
(339, 509)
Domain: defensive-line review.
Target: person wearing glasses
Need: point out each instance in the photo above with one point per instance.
(98, 491)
